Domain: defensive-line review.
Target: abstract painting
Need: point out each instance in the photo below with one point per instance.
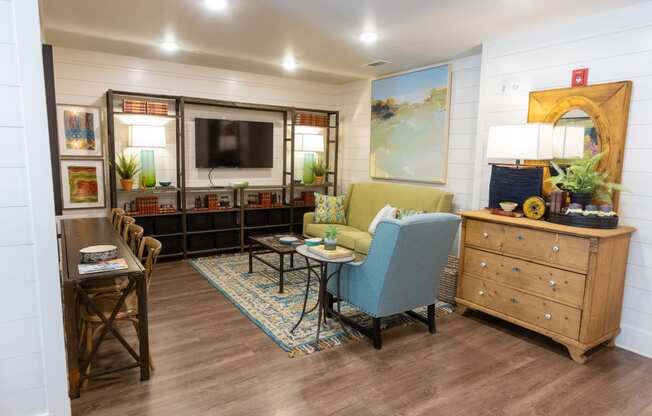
(79, 131)
(409, 125)
(82, 184)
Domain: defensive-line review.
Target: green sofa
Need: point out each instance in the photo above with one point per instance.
(365, 199)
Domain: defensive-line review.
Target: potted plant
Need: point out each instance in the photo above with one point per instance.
(583, 180)
(319, 170)
(330, 238)
(127, 167)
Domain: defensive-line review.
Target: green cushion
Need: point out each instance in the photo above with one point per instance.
(348, 236)
(365, 199)
(362, 245)
(329, 209)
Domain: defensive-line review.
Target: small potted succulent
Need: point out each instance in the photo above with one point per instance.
(127, 167)
(583, 180)
(319, 170)
(330, 238)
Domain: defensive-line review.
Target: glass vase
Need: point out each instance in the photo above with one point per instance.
(308, 174)
(147, 168)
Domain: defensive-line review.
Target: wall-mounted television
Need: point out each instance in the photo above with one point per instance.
(233, 143)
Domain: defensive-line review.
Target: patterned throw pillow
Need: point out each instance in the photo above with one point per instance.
(329, 209)
(403, 213)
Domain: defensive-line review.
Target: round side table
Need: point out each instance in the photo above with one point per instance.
(322, 305)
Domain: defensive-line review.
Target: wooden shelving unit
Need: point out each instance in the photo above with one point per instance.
(190, 232)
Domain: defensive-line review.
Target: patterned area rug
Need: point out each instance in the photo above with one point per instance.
(256, 296)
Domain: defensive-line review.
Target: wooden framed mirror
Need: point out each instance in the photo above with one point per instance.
(603, 111)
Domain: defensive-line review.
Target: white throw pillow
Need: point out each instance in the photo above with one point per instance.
(385, 212)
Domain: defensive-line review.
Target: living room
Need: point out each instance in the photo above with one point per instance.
(283, 207)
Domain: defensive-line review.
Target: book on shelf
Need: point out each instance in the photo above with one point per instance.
(338, 253)
(102, 266)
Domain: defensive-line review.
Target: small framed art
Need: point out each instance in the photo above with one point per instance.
(82, 184)
(79, 131)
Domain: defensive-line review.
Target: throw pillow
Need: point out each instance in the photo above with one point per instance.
(329, 209)
(385, 212)
(403, 213)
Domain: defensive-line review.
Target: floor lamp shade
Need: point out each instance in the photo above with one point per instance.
(532, 141)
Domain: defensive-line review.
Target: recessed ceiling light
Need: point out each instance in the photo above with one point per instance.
(289, 63)
(217, 5)
(368, 37)
(169, 46)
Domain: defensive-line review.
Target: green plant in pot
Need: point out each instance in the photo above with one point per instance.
(330, 238)
(583, 180)
(127, 167)
(319, 170)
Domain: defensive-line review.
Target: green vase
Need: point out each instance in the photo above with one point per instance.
(147, 168)
(308, 162)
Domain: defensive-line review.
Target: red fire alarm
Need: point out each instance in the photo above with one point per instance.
(580, 77)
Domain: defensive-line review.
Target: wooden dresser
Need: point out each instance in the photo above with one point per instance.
(564, 282)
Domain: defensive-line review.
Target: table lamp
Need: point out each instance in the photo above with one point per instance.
(567, 142)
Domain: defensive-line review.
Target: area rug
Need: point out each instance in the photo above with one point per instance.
(256, 296)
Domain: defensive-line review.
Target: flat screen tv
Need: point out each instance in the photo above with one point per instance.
(233, 143)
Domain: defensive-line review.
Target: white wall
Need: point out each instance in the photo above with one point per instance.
(615, 46)
(83, 77)
(355, 107)
(32, 359)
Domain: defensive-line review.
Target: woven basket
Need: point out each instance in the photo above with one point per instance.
(448, 281)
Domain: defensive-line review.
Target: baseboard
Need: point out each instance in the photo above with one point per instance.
(635, 340)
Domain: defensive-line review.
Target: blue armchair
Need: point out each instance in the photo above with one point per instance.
(401, 271)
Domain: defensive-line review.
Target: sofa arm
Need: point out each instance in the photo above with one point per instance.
(308, 218)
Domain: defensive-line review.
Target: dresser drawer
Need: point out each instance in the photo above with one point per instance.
(534, 310)
(556, 249)
(556, 284)
(484, 234)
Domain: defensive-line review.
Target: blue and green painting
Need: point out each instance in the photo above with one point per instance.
(409, 126)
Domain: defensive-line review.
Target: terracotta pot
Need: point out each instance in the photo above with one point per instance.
(127, 184)
(319, 180)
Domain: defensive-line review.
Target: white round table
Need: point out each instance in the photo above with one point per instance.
(322, 306)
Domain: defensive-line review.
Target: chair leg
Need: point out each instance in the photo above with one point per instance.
(432, 327)
(378, 343)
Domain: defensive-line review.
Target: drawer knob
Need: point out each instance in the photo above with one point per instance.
(552, 283)
(547, 317)
(514, 300)
(555, 249)
(485, 235)
(483, 264)
(481, 292)
(520, 237)
(516, 269)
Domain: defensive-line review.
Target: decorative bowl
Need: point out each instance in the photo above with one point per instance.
(94, 254)
(312, 242)
(508, 206)
(239, 184)
(165, 183)
(288, 240)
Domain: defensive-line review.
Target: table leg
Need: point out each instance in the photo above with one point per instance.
(305, 299)
(143, 335)
(251, 258)
(291, 260)
(72, 338)
(280, 272)
(320, 307)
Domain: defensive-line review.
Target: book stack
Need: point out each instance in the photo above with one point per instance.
(557, 201)
(134, 106)
(212, 202)
(147, 205)
(158, 109)
(265, 198)
(308, 197)
(338, 253)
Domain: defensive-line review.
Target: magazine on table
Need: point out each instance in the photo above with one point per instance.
(103, 266)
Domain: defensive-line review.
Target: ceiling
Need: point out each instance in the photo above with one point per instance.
(255, 35)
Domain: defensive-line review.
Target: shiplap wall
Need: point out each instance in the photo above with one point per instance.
(82, 78)
(32, 369)
(616, 46)
(355, 105)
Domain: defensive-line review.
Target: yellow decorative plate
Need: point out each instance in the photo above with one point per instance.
(534, 207)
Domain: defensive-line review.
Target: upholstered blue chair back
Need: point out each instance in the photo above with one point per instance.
(404, 265)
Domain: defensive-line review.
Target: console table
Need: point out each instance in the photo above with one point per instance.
(563, 282)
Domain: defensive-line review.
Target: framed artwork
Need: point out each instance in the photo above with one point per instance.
(79, 131)
(409, 125)
(82, 184)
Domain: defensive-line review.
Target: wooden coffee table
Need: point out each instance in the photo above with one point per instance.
(265, 244)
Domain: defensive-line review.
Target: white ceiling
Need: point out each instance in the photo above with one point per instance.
(254, 35)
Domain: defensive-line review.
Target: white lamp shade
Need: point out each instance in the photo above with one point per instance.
(310, 143)
(568, 142)
(532, 141)
(147, 136)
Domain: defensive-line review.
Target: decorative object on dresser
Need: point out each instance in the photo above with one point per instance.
(563, 282)
(601, 109)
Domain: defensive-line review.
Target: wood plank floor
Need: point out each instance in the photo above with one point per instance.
(211, 360)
